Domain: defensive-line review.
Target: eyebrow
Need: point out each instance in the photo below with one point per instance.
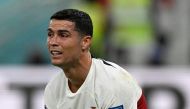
(59, 31)
(49, 29)
(66, 31)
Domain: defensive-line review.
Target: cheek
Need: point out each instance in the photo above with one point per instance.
(74, 48)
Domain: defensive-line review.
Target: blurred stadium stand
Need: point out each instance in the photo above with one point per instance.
(126, 38)
(150, 38)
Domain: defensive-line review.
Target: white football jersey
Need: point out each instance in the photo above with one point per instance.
(107, 86)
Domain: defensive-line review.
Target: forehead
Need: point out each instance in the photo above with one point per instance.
(61, 24)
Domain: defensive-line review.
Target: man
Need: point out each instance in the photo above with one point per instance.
(86, 82)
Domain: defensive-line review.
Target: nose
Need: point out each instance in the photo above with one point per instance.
(53, 41)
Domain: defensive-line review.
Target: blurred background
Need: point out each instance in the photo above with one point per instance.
(149, 38)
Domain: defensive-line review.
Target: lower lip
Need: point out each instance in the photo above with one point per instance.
(56, 56)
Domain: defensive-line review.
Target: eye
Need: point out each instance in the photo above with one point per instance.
(50, 34)
(63, 34)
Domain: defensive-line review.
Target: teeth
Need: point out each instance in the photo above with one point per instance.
(55, 52)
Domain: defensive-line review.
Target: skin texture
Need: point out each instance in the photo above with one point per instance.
(69, 50)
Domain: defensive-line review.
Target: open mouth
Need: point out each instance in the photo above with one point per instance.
(55, 52)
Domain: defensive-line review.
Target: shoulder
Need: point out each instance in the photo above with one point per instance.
(51, 93)
(52, 90)
(115, 81)
(54, 83)
(112, 70)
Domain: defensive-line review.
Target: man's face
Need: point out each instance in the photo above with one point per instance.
(64, 42)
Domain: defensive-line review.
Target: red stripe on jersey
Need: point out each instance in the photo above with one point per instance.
(142, 102)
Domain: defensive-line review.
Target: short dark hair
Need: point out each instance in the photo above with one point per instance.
(83, 22)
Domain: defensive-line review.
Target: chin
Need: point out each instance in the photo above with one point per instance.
(56, 62)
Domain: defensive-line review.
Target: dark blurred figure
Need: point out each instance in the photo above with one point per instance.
(159, 50)
(161, 11)
(36, 58)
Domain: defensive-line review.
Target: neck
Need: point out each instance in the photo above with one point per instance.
(78, 72)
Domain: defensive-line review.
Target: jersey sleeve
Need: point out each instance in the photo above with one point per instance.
(142, 102)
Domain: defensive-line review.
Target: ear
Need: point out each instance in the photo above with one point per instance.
(86, 42)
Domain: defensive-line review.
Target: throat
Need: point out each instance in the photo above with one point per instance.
(76, 79)
(74, 87)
